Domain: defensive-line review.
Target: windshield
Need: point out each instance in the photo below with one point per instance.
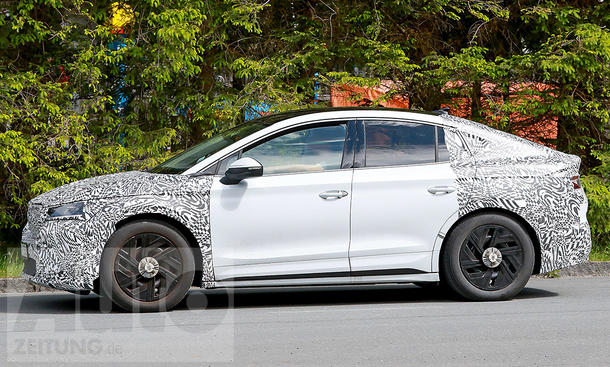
(195, 154)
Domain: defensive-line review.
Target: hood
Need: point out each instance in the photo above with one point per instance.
(113, 185)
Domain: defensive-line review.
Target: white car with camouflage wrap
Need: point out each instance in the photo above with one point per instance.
(314, 197)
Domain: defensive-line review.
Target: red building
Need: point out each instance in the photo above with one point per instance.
(537, 129)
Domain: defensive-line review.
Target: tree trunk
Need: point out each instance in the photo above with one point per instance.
(476, 101)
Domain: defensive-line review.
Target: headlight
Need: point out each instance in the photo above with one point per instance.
(67, 211)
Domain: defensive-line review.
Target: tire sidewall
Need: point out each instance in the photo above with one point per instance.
(109, 288)
(452, 271)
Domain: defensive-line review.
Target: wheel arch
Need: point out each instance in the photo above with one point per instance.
(530, 230)
(192, 241)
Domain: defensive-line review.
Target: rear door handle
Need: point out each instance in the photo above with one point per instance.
(333, 194)
(441, 190)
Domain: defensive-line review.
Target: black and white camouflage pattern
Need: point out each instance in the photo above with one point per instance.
(500, 170)
(68, 251)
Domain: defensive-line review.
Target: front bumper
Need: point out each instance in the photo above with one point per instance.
(57, 254)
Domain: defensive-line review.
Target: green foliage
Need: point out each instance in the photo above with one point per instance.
(192, 68)
(598, 193)
(11, 262)
(597, 188)
(600, 253)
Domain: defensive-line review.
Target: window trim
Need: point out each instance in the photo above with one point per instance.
(349, 147)
(288, 130)
(436, 144)
(361, 155)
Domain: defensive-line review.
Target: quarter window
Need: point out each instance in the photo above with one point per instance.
(226, 162)
(308, 150)
(443, 152)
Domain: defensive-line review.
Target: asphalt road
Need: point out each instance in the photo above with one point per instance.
(554, 322)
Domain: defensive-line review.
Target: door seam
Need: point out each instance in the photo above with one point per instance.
(349, 245)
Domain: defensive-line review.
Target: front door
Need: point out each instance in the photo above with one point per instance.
(294, 221)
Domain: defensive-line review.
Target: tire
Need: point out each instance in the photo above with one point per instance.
(471, 267)
(147, 266)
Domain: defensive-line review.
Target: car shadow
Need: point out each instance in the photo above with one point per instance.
(200, 299)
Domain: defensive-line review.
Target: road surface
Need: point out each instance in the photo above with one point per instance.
(553, 322)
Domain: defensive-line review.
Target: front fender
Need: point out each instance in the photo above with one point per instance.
(68, 252)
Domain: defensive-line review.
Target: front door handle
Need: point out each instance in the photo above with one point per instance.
(441, 190)
(333, 194)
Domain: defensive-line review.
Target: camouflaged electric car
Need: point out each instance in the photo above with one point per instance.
(314, 197)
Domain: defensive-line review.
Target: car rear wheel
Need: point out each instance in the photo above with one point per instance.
(488, 258)
(147, 266)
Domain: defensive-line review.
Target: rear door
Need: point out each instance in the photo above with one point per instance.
(403, 191)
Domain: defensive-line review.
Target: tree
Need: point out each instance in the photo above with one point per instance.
(192, 68)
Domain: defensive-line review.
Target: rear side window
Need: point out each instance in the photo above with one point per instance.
(396, 143)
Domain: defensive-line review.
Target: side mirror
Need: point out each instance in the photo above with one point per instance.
(240, 169)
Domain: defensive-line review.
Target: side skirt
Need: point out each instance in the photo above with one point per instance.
(328, 280)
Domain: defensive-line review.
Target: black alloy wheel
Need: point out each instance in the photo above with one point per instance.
(489, 257)
(147, 266)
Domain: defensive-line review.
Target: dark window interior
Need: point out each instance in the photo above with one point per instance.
(394, 143)
(397, 143)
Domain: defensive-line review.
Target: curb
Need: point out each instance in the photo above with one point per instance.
(588, 269)
(20, 285)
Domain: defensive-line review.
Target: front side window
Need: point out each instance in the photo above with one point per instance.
(313, 149)
(396, 143)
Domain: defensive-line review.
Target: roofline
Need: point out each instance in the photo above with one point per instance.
(307, 111)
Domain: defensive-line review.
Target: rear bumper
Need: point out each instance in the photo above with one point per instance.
(568, 241)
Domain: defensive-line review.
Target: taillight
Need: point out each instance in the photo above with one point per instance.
(576, 182)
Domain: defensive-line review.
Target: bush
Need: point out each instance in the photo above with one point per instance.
(598, 193)
(597, 188)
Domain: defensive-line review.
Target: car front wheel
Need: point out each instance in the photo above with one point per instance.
(147, 266)
(488, 258)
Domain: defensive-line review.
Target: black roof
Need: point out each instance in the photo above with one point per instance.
(272, 118)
